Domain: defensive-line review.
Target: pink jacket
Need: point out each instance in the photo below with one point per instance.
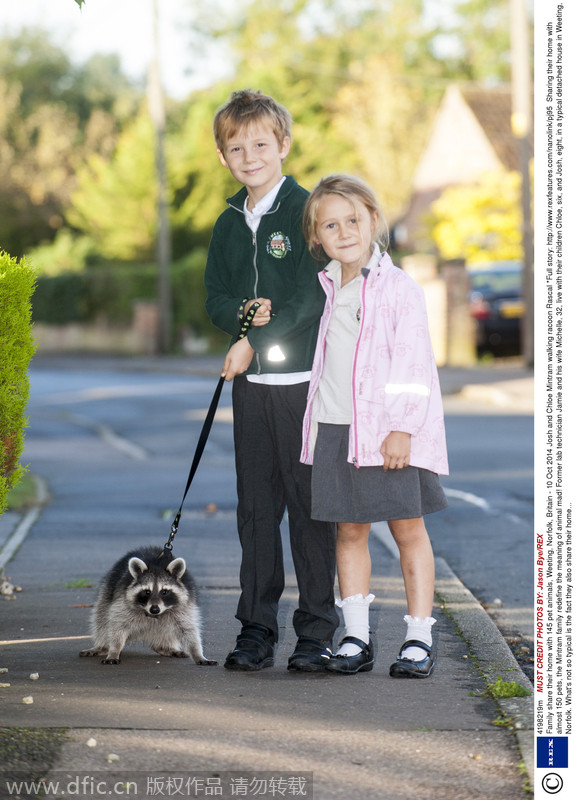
(395, 383)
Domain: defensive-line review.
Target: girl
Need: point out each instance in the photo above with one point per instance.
(374, 425)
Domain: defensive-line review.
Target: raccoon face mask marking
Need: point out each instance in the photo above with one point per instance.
(150, 591)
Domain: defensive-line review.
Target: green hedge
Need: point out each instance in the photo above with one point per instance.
(17, 285)
(108, 292)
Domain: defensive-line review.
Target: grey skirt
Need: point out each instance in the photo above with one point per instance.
(343, 493)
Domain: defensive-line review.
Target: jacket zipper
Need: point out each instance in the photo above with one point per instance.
(354, 399)
(255, 285)
(256, 282)
(256, 271)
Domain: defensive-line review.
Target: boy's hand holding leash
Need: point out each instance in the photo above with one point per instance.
(237, 359)
(241, 353)
(263, 313)
(396, 450)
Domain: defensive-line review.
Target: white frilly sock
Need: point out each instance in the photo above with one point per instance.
(418, 628)
(355, 612)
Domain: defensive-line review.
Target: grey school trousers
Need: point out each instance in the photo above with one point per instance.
(270, 478)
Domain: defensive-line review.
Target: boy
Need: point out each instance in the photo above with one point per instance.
(257, 252)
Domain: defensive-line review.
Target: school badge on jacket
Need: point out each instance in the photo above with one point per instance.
(278, 245)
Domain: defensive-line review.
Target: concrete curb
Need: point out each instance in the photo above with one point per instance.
(14, 527)
(492, 656)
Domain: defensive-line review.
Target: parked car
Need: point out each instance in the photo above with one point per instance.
(497, 306)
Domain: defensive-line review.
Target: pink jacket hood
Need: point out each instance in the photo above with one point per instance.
(395, 384)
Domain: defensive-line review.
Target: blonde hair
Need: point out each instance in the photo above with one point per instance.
(246, 107)
(350, 188)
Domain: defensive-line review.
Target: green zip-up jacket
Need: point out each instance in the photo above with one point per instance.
(273, 263)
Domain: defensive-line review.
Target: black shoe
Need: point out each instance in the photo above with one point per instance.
(350, 665)
(310, 655)
(406, 668)
(253, 651)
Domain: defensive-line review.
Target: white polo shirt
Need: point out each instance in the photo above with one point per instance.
(333, 400)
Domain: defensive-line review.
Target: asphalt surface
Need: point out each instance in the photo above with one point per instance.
(176, 729)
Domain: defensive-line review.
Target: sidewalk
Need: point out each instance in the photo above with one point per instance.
(358, 736)
(363, 736)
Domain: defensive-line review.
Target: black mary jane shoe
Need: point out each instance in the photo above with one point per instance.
(406, 668)
(350, 665)
(310, 655)
(253, 651)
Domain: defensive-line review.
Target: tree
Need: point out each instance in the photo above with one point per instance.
(198, 183)
(39, 67)
(481, 222)
(384, 108)
(361, 80)
(361, 83)
(388, 129)
(66, 253)
(37, 164)
(47, 76)
(477, 34)
(51, 115)
(99, 84)
(114, 202)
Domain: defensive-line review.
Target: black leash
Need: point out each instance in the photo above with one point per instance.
(245, 320)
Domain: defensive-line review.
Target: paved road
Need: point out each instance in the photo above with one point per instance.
(486, 533)
(363, 736)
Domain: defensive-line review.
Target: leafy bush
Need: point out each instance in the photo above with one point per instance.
(17, 283)
(189, 294)
(108, 292)
(480, 222)
(66, 253)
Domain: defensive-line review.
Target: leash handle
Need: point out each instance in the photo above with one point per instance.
(246, 321)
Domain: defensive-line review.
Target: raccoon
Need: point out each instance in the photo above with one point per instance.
(147, 596)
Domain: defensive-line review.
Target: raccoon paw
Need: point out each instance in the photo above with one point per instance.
(169, 653)
(204, 662)
(110, 661)
(92, 652)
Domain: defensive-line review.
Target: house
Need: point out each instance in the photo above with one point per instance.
(471, 134)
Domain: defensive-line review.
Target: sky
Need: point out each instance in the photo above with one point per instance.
(124, 27)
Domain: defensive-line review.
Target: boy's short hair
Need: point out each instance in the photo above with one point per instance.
(350, 188)
(246, 107)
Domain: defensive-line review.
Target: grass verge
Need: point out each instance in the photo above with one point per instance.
(23, 496)
(29, 752)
